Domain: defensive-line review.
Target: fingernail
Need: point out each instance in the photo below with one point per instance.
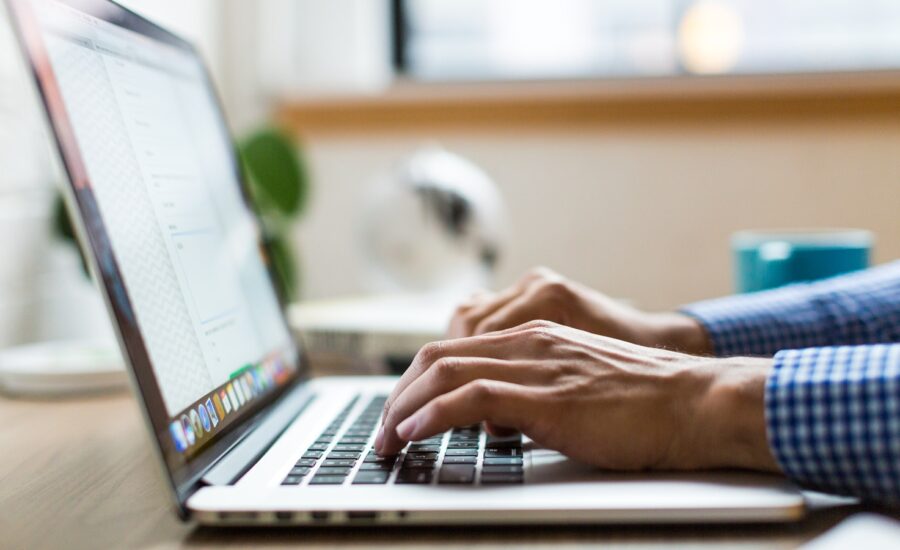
(406, 428)
(379, 439)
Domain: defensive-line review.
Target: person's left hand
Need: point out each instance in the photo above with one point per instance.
(601, 401)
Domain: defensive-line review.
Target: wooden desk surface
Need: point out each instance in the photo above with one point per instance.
(80, 474)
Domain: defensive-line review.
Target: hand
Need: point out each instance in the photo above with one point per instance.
(601, 401)
(545, 295)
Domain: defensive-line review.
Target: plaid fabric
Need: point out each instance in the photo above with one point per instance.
(859, 308)
(833, 419)
(832, 407)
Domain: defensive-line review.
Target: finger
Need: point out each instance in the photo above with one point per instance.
(491, 401)
(467, 316)
(516, 312)
(503, 344)
(448, 374)
(470, 314)
(493, 346)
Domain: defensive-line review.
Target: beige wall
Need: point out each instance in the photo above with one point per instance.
(643, 211)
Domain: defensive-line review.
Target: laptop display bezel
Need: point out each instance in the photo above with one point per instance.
(184, 477)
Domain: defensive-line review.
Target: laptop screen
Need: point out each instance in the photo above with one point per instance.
(158, 186)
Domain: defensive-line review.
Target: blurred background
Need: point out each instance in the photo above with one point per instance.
(628, 139)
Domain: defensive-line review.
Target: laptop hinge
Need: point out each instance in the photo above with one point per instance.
(237, 461)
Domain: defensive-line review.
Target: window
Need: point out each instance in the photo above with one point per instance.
(563, 39)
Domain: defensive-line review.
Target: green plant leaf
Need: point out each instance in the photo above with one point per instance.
(62, 226)
(277, 173)
(284, 266)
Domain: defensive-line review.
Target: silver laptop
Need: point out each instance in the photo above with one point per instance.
(243, 434)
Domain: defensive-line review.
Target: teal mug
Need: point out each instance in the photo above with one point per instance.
(772, 258)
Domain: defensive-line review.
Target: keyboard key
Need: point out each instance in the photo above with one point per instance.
(385, 467)
(461, 452)
(350, 447)
(353, 439)
(333, 471)
(511, 451)
(503, 460)
(421, 456)
(417, 448)
(417, 464)
(473, 428)
(313, 454)
(300, 470)
(462, 444)
(414, 476)
(339, 462)
(496, 442)
(494, 469)
(437, 440)
(457, 473)
(318, 447)
(343, 454)
(306, 462)
(460, 459)
(375, 457)
(327, 480)
(371, 478)
(487, 478)
(292, 480)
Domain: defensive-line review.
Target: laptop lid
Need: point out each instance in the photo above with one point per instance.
(158, 191)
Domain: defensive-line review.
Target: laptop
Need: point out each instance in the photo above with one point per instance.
(243, 434)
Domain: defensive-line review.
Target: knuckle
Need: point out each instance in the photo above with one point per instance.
(480, 390)
(538, 325)
(554, 290)
(429, 353)
(446, 368)
(540, 334)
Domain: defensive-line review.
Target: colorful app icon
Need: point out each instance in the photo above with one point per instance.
(196, 423)
(212, 412)
(188, 429)
(204, 417)
(218, 403)
(232, 396)
(248, 391)
(248, 385)
(178, 436)
(239, 391)
(226, 402)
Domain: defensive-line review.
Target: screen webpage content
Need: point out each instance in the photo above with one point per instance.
(160, 167)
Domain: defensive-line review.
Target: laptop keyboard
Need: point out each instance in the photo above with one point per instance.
(463, 456)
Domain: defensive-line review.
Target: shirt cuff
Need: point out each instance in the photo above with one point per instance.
(833, 419)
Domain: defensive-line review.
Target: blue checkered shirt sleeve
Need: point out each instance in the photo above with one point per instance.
(833, 398)
(833, 419)
(859, 308)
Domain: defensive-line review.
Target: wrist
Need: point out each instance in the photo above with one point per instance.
(729, 425)
(680, 332)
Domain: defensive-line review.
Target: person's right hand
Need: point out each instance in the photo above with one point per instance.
(543, 294)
